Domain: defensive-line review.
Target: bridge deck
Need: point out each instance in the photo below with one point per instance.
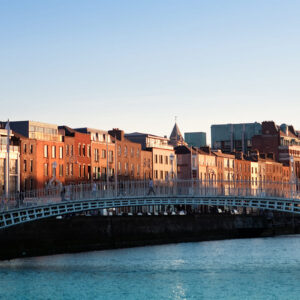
(36, 205)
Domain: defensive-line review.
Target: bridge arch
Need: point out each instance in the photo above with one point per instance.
(17, 216)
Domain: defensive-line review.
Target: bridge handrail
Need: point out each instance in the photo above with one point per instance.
(197, 188)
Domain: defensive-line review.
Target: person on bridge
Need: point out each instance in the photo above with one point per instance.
(94, 190)
(151, 187)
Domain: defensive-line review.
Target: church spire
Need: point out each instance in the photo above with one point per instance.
(176, 138)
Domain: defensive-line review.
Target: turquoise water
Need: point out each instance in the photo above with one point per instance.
(265, 268)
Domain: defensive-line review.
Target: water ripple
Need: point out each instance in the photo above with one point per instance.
(267, 268)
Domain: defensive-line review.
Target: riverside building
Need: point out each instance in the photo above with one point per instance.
(101, 153)
(234, 137)
(128, 156)
(164, 164)
(41, 154)
(195, 139)
(282, 142)
(9, 163)
(77, 155)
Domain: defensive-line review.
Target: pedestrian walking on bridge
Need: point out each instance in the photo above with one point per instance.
(151, 187)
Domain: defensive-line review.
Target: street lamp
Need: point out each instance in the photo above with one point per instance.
(292, 177)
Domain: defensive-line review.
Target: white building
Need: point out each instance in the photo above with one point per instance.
(9, 181)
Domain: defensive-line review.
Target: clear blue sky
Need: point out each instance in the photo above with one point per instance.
(137, 64)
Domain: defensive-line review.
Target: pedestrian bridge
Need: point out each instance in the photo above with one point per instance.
(34, 205)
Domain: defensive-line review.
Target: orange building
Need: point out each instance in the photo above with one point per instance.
(102, 153)
(77, 155)
(41, 154)
(128, 156)
(146, 164)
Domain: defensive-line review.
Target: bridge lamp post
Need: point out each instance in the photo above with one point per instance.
(292, 181)
(172, 156)
(116, 167)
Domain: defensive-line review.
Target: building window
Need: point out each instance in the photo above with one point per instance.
(31, 165)
(46, 169)
(103, 172)
(83, 171)
(110, 156)
(25, 165)
(83, 150)
(45, 150)
(95, 173)
(119, 150)
(125, 151)
(166, 174)
(119, 167)
(71, 150)
(60, 152)
(167, 160)
(161, 174)
(156, 159)
(71, 170)
(126, 168)
(156, 174)
(67, 150)
(138, 170)
(138, 153)
(31, 149)
(61, 170)
(67, 169)
(131, 152)
(103, 154)
(53, 151)
(96, 154)
(79, 170)
(161, 159)
(79, 149)
(89, 151)
(25, 148)
(132, 170)
(53, 171)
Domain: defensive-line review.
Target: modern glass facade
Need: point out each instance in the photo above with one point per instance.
(234, 137)
(195, 139)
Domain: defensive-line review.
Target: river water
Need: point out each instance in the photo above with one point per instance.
(260, 268)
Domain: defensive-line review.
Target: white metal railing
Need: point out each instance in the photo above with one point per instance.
(103, 190)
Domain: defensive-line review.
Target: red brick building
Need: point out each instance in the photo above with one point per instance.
(77, 155)
(41, 154)
(102, 153)
(128, 156)
(146, 164)
(282, 141)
